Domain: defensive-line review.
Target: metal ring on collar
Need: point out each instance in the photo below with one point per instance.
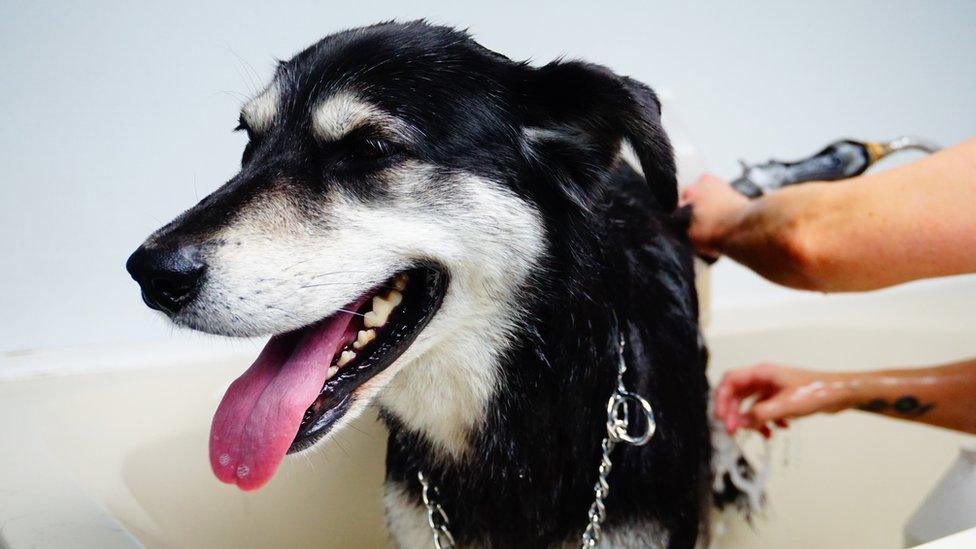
(618, 420)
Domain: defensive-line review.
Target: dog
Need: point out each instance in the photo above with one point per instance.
(428, 227)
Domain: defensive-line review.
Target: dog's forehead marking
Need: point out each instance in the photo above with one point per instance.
(260, 112)
(344, 111)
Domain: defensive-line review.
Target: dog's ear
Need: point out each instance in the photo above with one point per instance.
(597, 109)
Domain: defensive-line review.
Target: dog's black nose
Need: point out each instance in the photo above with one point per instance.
(169, 277)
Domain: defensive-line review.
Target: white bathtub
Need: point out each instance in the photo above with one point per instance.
(116, 459)
(108, 447)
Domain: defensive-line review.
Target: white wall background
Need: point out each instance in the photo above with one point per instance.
(115, 116)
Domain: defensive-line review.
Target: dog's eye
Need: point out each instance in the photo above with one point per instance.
(243, 127)
(373, 148)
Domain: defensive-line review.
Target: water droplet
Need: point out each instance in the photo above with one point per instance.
(242, 471)
(224, 459)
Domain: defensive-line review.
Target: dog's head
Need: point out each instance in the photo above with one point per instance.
(386, 219)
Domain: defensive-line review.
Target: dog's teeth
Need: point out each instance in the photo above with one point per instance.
(331, 372)
(371, 320)
(363, 338)
(382, 307)
(345, 357)
(400, 281)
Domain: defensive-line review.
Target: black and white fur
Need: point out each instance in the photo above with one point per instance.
(395, 143)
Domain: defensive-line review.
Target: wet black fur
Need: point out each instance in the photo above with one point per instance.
(529, 480)
(613, 249)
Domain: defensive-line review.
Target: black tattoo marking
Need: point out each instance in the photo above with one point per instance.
(906, 406)
(876, 405)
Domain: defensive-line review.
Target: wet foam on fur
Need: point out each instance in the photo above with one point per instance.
(729, 464)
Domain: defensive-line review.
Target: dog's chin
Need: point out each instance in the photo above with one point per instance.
(307, 380)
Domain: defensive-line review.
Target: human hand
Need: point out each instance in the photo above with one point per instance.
(780, 393)
(715, 209)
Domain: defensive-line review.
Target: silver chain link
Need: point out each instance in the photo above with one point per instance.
(598, 510)
(618, 426)
(436, 517)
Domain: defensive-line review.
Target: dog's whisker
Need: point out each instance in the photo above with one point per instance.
(320, 284)
(335, 283)
(330, 273)
(247, 78)
(287, 312)
(341, 447)
(306, 260)
(236, 95)
(358, 430)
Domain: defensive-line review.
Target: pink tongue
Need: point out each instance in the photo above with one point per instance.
(260, 414)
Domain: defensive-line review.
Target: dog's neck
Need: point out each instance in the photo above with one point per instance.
(527, 463)
(445, 392)
(444, 395)
(522, 465)
(535, 441)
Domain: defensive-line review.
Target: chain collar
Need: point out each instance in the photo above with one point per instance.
(618, 430)
(618, 424)
(436, 517)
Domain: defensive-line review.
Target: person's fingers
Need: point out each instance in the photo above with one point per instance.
(768, 371)
(745, 420)
(722, 395)
(736, 387)
(705, 184)
(768, 392)
(707, 179)
(730, 423)
(774, 396)
(768, 410)
(763, 392)
(735, 394)
(714, 207)
(731, 386)
(733, 414)
(783, 406)
(760, 372)
(736, 382)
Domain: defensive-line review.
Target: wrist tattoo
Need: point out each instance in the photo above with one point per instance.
(906, 406)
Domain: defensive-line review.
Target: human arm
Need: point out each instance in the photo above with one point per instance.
(944, 396)
(907, 223)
